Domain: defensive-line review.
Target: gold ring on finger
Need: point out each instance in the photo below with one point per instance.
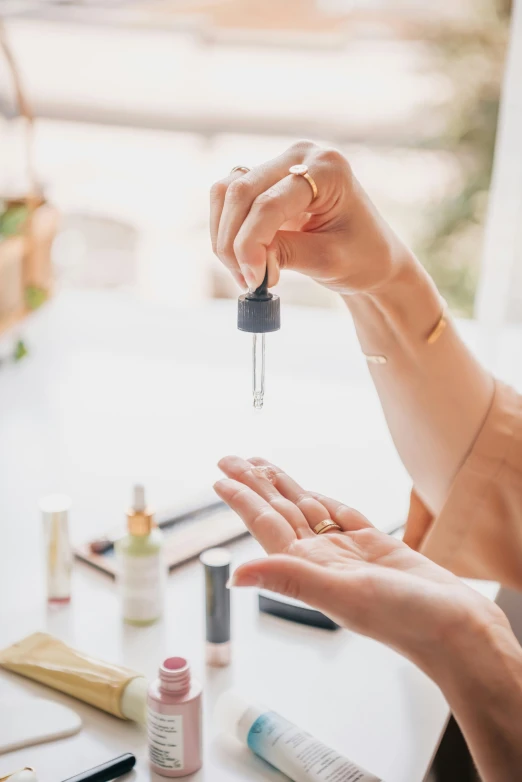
(326, 526)
(302, 170)
(244, 169)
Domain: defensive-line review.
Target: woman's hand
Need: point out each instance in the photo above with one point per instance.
(363, 579)
(266, 219)
(376, 585)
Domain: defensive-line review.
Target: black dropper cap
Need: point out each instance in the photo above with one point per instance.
(259, 311)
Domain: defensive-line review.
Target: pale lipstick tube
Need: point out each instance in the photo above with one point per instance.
(216, 562)
(58, 551)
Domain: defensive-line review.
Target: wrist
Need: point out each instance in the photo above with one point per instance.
(406, 276)
(481, 678)
(476, 655)
(400, 312)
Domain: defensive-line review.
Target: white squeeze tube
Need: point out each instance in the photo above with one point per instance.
(23, 775)
(282, 744)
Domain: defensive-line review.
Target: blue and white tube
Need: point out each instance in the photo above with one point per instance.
(296, 753)
(22, 775)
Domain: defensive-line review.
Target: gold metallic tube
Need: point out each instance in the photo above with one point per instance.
(111, 688)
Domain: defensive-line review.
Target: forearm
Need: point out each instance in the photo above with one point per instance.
(434, 396)
(482, 682)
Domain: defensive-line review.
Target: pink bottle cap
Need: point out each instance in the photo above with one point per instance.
(174, 675)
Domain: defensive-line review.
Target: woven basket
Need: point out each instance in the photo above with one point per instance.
(25, 254)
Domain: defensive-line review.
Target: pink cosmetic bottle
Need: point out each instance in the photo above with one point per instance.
(174, 720)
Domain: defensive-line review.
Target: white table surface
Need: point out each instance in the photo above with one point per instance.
(117, 390)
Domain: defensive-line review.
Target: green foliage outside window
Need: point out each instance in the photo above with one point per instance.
(474, 60)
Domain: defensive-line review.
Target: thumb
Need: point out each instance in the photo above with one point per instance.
(291, 576)
(303, 252)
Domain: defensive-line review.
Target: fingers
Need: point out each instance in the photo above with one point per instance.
(312, 509)
(268, 526)
(301, 509)
(298, 579)
(347, 518)
(217, 200)
(314, 506)
(285, 574)
(252, 237)
(237, 201)
(272, 264)
(218, 192)
(262, 483)
(268, 197)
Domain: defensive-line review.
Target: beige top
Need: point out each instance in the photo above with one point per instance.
(478, 533)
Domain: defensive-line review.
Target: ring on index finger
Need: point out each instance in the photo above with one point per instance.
(302, 170)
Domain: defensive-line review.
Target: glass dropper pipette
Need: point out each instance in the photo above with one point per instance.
(258, 369)
(259, 313)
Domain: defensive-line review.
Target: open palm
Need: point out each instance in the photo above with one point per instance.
(364, 579)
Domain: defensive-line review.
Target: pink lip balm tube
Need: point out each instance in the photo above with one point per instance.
(174, 720)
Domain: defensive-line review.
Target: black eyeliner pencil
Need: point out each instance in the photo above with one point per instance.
(107, 771)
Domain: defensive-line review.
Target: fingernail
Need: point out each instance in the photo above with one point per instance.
(238, 580)
(250, 277)
(220, 484)
(240, 280)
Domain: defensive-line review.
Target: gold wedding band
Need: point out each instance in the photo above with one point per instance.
(244, 169)
(326, 526)
(302, 170)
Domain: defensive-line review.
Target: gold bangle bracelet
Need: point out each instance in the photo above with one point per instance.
(438, 327)
(377, 358)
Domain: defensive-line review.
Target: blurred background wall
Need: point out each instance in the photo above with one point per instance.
(141, 107)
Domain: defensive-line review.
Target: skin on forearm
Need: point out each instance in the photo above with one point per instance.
(435, 397)
(481, 678)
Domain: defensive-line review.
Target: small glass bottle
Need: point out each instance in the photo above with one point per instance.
(174, 719)
(141, 569)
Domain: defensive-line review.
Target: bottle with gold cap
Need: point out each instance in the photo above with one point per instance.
(141, 569)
